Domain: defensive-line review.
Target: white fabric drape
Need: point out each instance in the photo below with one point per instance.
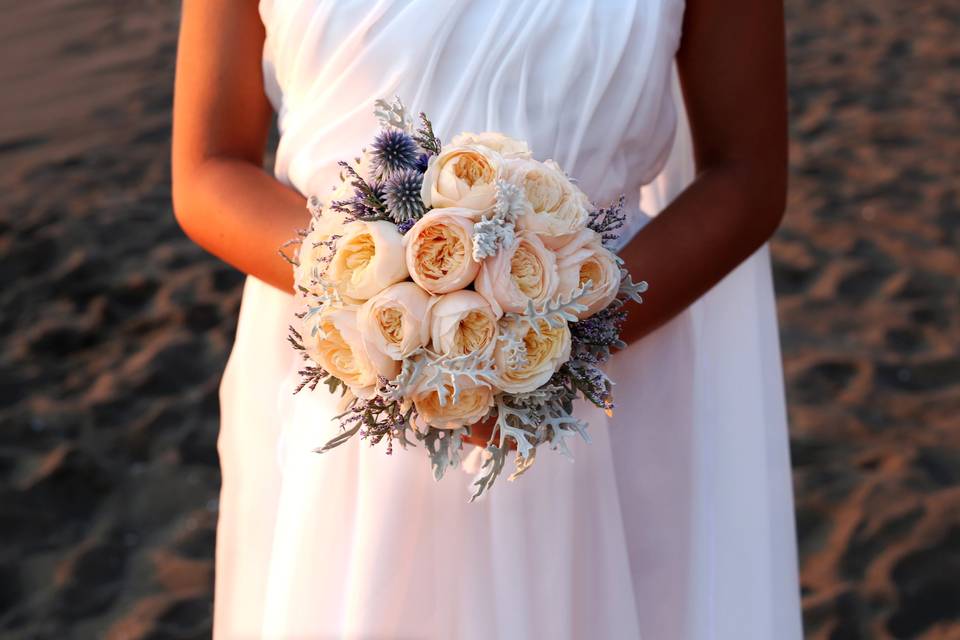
(675, 523)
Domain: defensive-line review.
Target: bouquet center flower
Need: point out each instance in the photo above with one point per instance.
(474, 333)
(359, 252)
(439, 251)
(391, 324)
(590, 271)
(339, 352)
(540, 347)
(473, 169)
(527, 272)
(542, 193)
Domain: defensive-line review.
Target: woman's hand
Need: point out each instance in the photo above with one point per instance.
(481, 432)
(222, 197)
(733, 72)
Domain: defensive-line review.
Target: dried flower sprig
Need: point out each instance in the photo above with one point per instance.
(374, 419)
(312, 374)
(607, 221)
(425, 136)
(368, 201)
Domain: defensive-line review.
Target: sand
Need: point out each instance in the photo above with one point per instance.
(115, 328)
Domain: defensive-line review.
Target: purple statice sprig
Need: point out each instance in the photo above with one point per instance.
(607, 221)
(368, 201)
(311, 374)
(590, 380)
(375, 419)
(599, 333)
(425, 137)
(381, 417)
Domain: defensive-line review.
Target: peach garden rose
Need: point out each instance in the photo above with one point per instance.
(462, 322)
(368, 259)
(518, 274)
(585, 258)
(394, 321)
(556, 208)
(540, 354)
(439, 251)
(462, 176)
(470, 406)
(504, 145)
(336, 344)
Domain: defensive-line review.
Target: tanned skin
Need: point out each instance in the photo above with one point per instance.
(733, 73)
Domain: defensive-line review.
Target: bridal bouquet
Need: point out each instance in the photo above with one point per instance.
(447, 285)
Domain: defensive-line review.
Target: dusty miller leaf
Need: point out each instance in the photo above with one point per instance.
(443, 446)
(339, 439)
(491, 469)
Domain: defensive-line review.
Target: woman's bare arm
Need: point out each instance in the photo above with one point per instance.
(733, 73)
(222, 197)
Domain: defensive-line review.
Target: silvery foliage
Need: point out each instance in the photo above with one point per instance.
(393, 114)
(490, 471)
(513, 347)
(555, 313)
(498, 231)
(629, 289)
(447, 374)
(545, 415)
(444, 447)
(542, 416)
(553, 404)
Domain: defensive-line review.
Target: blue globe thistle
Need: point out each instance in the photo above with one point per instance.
(402, 195)
(422, 161)
(405, 226)
(393, 151)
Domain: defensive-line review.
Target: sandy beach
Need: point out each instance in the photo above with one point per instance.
(114, 328)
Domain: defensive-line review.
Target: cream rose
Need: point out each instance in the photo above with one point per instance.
(526, 360)
(394, 321)
(525, 271)
(334, 342)
(462, 176)
(504, 145)
(315, 250)
(462, 322)
(470, 406)
(556, 208)
(368, 259)
(585, 258)
(439, 250)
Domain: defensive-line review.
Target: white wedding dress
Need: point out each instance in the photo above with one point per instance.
(675, 523)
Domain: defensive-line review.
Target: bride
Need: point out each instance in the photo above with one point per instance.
(677, 521)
